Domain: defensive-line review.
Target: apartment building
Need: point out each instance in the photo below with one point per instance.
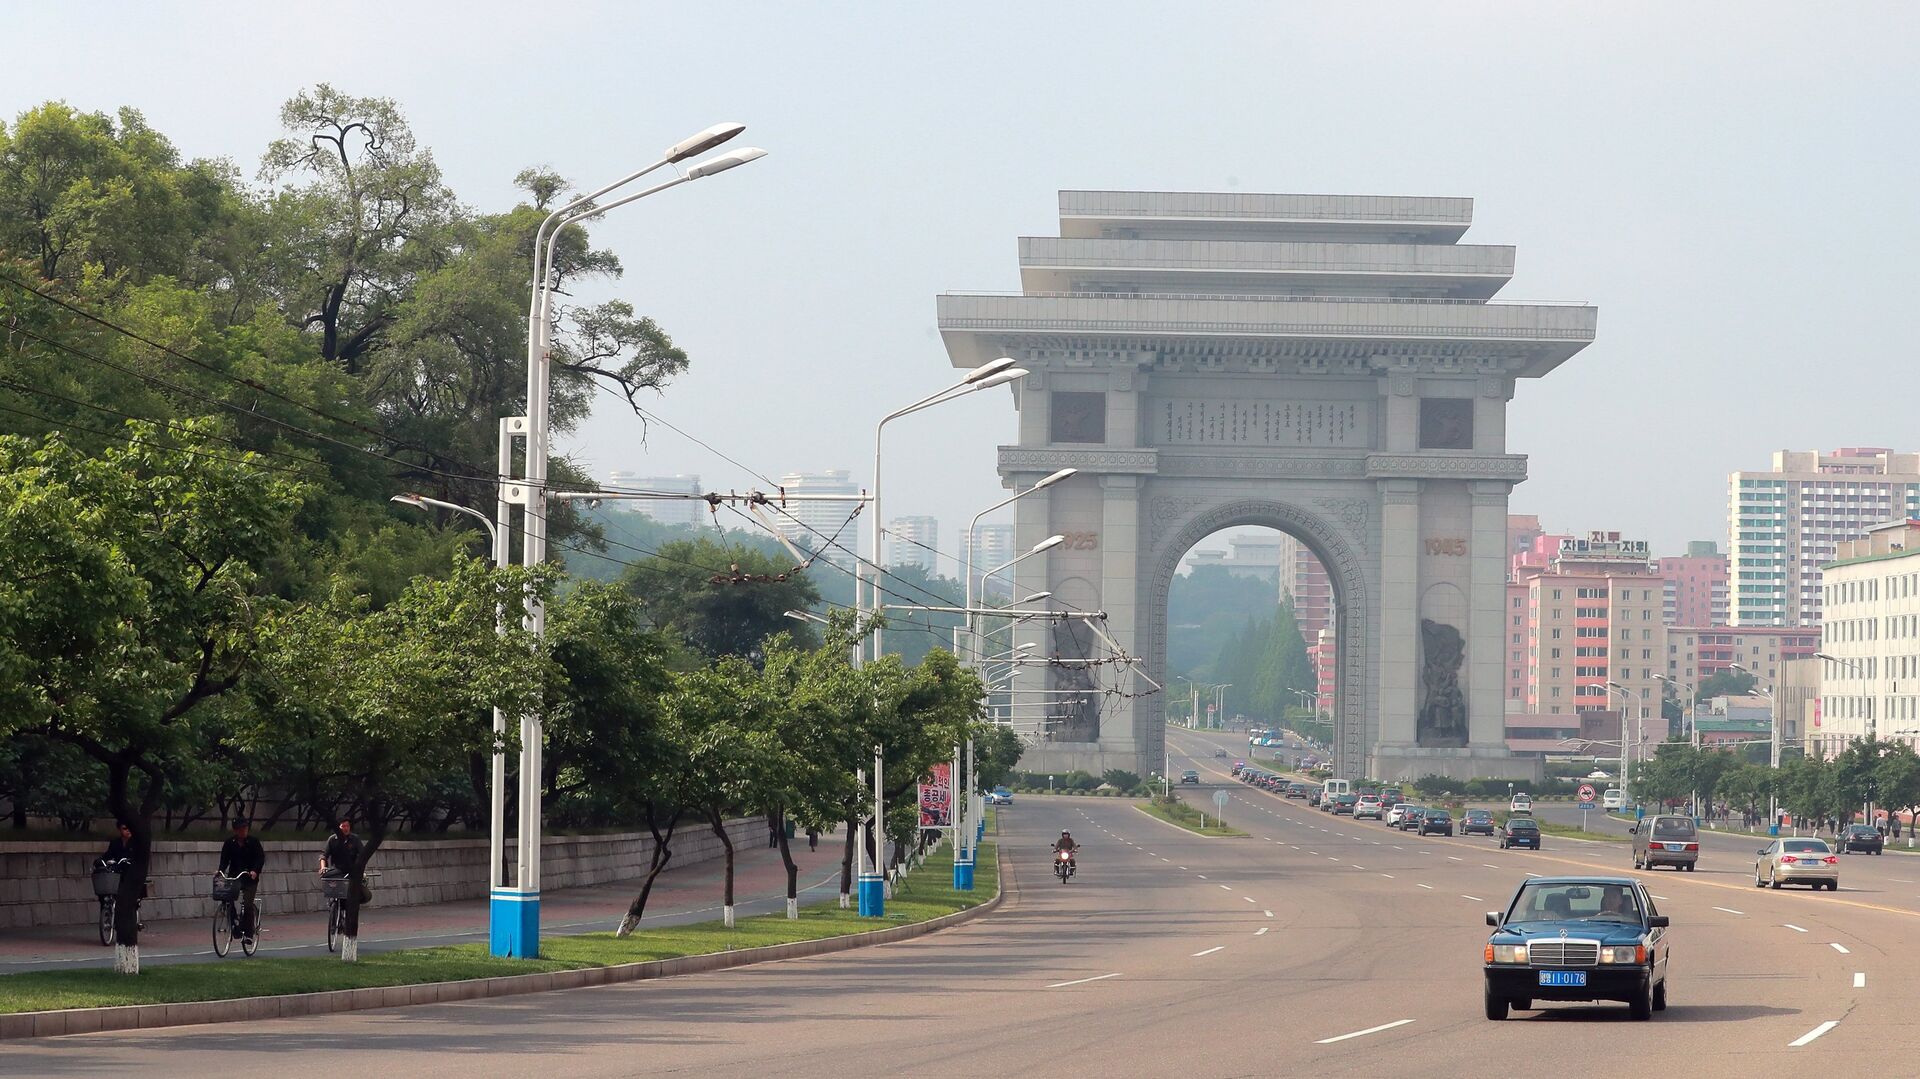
(1785, 523)
(1870, 670)
(1696, 586)
(1590, 617)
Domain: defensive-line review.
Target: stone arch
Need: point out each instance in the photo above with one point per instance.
(1346, 567)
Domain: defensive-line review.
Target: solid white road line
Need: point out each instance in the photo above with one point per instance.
(1859, 979)
(1794, 927)
(1262, 931)
(1841, 948)
(1369, 1030)
(1210, 951)
(1812, 1034)
(1083, 981)
(1729, 910)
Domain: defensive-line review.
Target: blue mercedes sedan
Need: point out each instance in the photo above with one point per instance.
(1577, 939)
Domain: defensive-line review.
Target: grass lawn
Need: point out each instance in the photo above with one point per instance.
(1572, 831)
(927, 894)
(1189, 819)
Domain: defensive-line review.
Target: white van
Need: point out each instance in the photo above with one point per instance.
(1336, 787)
(1614, 798)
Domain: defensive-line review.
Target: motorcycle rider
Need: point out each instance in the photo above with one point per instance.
(1066, 843)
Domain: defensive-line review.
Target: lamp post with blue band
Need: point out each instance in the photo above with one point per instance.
(513, 922)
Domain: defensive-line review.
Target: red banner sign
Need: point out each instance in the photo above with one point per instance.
(936, 797)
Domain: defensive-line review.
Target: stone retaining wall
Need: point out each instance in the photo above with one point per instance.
(51, 883)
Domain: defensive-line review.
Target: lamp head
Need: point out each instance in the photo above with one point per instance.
(1000, 377)
(725, 161)
(987, 370)
(701, 141)
(1048, 544)
(1053, 479)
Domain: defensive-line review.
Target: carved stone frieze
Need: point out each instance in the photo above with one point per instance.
(1355, 514)
(1229, 466)
(1447, 466)
(1024, 459)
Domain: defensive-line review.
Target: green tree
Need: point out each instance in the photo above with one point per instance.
(88, 190)
(1899, 778)
(726, 714)
(719, 600)
(1724, 684)
(996, 753)
(397, 698)
(133, 598)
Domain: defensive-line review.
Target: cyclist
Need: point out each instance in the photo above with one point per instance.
(342, 852)
(120, 850)
(243, 856)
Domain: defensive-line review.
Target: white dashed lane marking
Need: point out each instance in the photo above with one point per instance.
(1260, 932)
(1860, 979)
(1812, 1034)
(1428, 887)
(1475, 898)
(1210, 951)
(1795, 928)
(1841, 948)
(1729, 910)
(1363, 1033)
(1083, 981)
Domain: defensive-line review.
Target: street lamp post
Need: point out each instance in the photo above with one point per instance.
(514, 911)
(498, 539)
(1773, 750)
(994, 373)
(1627, 699)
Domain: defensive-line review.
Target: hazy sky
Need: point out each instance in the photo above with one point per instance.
(1732, 184)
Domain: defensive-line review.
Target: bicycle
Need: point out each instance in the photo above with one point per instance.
(335, 889)
(106, 886)
(226, 917)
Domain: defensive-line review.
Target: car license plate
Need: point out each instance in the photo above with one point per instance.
(1675, 846)
(1563, 977)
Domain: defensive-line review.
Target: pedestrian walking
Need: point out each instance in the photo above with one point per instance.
(813, 839)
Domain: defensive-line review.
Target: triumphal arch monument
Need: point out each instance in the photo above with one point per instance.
(1332, 366)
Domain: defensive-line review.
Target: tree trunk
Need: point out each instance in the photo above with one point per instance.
(846, 864)
(662, 854)
(717, 818)
(356, 878)
(793, 869)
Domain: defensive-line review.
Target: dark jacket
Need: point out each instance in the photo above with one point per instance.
(342, 853)
(242, 856)
(1065, 843)
(117, 849)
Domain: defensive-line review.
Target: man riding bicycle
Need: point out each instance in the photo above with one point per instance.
(342, 854)
(244, 857)
(1066, 843)
(119, 855)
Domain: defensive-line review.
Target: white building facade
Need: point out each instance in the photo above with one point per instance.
(825, 525)
(1870, 665)
(915, 542)
(667, 511)
(1785, 523)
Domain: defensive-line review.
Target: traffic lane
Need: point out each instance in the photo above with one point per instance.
(985, 980)
(1715, 931)
(1716, 970)
(1889, 880)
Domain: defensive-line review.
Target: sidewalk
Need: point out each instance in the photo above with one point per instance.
(682, 894)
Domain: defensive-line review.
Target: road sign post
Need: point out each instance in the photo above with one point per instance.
(1586, 803)
(1220, 805)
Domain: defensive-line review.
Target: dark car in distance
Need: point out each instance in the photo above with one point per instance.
(1436, 820)
(1344, 803)
(1190, 776)
(1520, 832)
(1411, 819)
(1477, 822)
(1577, 938)
(1296, 790)
(1862, 839)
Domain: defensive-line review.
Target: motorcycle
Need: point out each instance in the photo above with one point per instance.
(1063, 866)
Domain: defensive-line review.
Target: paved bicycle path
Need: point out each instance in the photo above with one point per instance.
(683, 894)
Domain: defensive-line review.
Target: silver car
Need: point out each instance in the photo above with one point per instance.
(1797, 861)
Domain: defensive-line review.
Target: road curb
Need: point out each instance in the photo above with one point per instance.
(50, 1024)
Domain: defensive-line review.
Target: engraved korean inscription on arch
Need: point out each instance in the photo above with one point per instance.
(1201, 421)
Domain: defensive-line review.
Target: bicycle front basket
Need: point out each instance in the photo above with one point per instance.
(224, 889)
(334, 887)
(106, 882)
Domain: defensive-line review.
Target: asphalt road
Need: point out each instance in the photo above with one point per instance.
(1315, 944)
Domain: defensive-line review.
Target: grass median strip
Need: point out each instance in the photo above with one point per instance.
(929, 894)
(1185, 816)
